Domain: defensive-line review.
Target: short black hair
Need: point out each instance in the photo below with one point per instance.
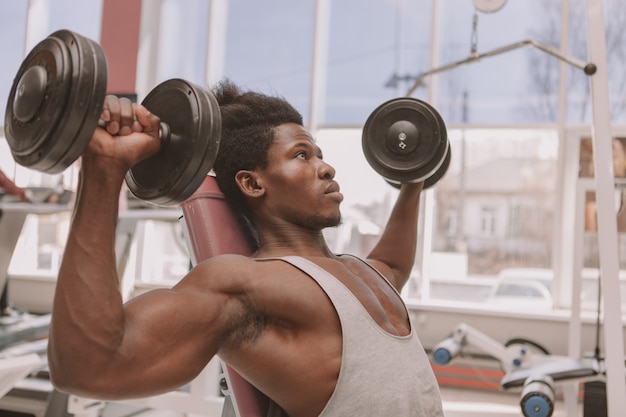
(248, 122)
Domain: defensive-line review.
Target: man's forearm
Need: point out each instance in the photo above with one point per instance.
(88, 317)
(397, 244)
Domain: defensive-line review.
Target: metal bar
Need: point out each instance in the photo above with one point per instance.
(606, 213)
(319, 64)
(216, 48)
(587, 67)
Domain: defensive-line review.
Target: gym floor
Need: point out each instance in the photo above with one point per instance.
(459, 402)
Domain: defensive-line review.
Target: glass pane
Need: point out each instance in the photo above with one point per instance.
(183, 37)
(590, 251)
(84, 17)
(12, 38)
(615, 15)
(578, 85)
(502, 88)
(494, 213)
(269, 47)
(371, 54)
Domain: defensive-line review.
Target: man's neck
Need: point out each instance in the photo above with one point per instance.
(297, 242)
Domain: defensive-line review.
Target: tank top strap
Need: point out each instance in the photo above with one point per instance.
(346, 304)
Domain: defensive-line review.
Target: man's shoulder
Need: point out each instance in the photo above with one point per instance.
(226, 264)
(243, 262)
(237, 269)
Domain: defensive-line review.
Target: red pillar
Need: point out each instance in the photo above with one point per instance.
(120, 41)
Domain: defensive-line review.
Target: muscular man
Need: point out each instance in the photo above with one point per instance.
(318, 333)
(7, 314)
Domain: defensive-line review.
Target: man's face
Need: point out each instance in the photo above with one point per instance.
(299, 185)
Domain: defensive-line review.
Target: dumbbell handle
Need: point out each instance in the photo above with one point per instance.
(165, 133)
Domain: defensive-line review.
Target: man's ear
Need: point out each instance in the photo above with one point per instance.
(248, 184)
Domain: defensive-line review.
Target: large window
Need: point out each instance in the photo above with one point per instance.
(493, 210)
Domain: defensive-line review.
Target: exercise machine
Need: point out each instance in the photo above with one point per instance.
(526, 364)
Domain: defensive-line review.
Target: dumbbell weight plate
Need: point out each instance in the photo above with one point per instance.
(435, 177)
(193, 119)
(405, 140)
(55, 101)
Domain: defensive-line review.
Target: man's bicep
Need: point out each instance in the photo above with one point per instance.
(183, 317)
(170, 336)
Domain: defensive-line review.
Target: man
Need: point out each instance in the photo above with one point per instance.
(7, 186)
(319, 334)
(7, 314)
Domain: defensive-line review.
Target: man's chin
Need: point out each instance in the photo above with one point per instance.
(334, 222)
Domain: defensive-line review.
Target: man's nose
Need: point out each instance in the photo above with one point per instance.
(326, 171)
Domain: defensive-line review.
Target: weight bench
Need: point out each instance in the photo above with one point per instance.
(211, 229)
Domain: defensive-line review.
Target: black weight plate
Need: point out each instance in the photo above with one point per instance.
(412, 124)
(85, 100)
(48, 125)
(177, 170)
(435, 177)
(44, 103)
(440, 172)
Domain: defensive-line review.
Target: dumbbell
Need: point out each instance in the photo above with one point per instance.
(537, 399)
(55, 104)
(405, 140)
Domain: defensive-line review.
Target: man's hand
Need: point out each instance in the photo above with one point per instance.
(131, 134)
(25, 195)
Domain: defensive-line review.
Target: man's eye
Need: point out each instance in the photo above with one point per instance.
(301, 155)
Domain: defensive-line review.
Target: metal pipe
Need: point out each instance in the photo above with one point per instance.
(606, 214)
(588, 68)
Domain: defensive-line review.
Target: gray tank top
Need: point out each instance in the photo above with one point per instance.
(381, 374)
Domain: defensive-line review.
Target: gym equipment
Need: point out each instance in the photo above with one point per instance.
(405, 140)
(57, 98)
(190, 134)
(587, 67)
(488, 6)
(527, 365)
(538, 397)
(513, 355)
(435, 177)
(212, 229)
(55, 101)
